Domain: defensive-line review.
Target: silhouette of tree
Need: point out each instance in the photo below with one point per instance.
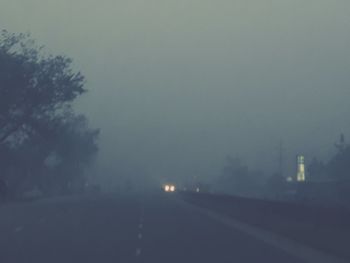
(32, 86)
(339, 166)
(236, 178)
(318, 170)
(42, 142)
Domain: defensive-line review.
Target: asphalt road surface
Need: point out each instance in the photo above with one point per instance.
(123, 228)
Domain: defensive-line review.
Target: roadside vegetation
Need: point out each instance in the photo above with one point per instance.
(45, 146)
(327, 182)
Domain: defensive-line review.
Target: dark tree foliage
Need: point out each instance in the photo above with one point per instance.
(43, 143)
(338, 167)
(317, 171)
(32, 85)
(237, 179)
(74, 149)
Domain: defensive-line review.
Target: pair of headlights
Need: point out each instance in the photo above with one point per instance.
(169, 188)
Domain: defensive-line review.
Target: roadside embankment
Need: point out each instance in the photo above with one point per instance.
(324, 228)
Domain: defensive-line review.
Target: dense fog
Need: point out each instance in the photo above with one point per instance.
(177, 86)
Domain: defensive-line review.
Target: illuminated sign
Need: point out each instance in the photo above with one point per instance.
(300, 168)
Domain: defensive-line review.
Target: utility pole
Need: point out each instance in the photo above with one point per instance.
(280, 159)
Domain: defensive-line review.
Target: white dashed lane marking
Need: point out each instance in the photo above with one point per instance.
(138, 252)
(18, 229)
(140, 236)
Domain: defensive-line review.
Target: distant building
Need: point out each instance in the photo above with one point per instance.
(301, 168)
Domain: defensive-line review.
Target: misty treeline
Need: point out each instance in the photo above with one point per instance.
(236, 178)
(326, 181)
(44, 144)
(337, 168)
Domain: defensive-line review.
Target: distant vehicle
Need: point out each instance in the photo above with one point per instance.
(169, 188)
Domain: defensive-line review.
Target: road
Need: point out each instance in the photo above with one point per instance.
(123, 228)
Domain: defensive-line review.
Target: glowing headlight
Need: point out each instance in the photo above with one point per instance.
(172, 188)
(167, 188)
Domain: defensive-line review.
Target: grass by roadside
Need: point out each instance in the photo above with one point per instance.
(326, 229)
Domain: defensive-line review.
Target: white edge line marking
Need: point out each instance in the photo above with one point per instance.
(139, 236)
(291, 247)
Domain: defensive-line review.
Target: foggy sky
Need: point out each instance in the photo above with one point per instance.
(175, 86)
